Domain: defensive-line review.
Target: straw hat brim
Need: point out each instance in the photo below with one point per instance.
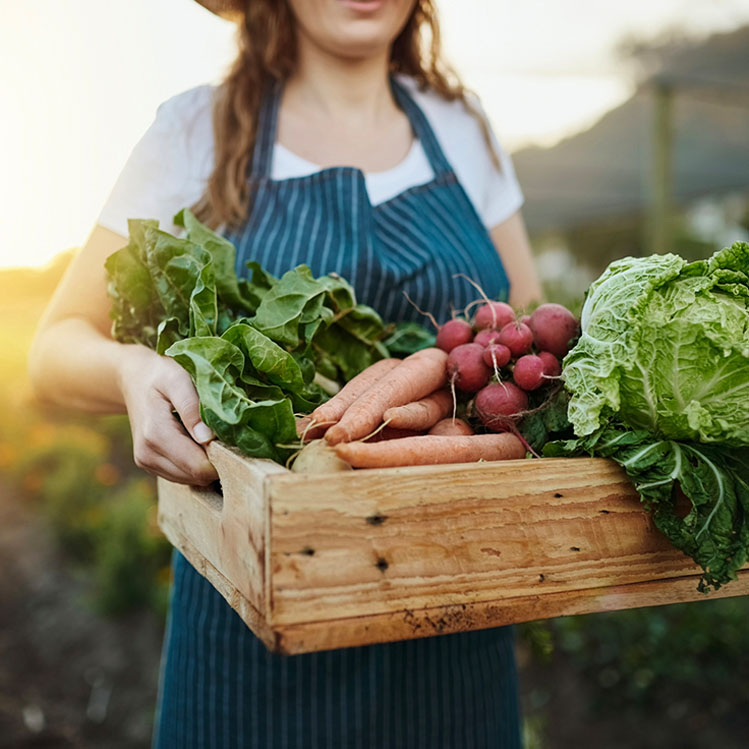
(231, 9)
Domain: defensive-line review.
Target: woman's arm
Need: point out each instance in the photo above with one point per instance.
(75, 362)
(513, 246)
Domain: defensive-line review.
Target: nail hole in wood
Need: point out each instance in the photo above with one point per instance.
(382, 564)
(604, 512)
(574, 548)
(541, 577)
(558, 494)
(310, 552)
(376, 519)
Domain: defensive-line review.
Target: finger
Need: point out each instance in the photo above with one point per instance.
(179, 390)
(158, 465)
(162, 437)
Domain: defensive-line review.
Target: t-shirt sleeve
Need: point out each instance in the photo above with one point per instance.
(502, 195)
(158, 179)
(496, 192)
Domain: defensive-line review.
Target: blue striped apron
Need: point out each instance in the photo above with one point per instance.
(219, 686)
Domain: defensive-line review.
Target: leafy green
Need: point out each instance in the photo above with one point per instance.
(665, 347)
(251, 345)
(548, 420)
(409, 337)
(715, 480)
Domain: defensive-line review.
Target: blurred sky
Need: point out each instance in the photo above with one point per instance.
(81, 80)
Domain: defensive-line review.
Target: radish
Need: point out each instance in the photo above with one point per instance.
(528, 372)
(497, 405)
(466, 367)
(494, 315)
(486, 336)
(554, 327)
(496, 355)
(552, 367)
(454, 333)
(517, 337)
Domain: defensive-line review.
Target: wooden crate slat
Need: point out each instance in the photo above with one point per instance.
(338, 560)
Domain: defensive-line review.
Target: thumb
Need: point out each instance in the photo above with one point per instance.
(184, 398)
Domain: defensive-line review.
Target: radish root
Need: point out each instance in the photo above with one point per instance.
(428, 315)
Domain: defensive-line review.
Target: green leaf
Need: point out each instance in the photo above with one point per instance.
(231, 291)
(347, 353)
(254, 426)
(296, 297)
(665, 347)
(408, 338)
(267, 357)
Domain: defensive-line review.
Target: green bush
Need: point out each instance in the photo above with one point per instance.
(672, 659)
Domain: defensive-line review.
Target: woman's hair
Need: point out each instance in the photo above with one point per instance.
(267, 54)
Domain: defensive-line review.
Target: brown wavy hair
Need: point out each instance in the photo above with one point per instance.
(267, 54)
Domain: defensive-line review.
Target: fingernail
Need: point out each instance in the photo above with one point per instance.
(202, 432)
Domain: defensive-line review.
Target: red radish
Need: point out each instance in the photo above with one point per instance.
(498, 403)
(454, 333)
(466, 368)
(494, 315)
(552, 367)
(486, 336)
(517, 337)
(528, 372)
(554, 327)
(451, 426)
(496, 355)
(525, 319)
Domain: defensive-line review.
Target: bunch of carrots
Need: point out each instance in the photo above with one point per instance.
(403, 412)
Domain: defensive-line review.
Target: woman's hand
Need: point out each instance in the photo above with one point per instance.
(153, 386)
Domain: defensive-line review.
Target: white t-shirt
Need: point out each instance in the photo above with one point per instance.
(170, 166)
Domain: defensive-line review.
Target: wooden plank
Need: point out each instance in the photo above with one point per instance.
(255, 620)
(229, 531)
(429, 536)
(449, 619)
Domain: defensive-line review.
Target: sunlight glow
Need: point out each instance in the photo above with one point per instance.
(82, 79)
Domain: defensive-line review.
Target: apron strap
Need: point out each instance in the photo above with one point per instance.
(421, 128)
(267, 120)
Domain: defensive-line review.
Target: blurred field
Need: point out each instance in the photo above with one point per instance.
(86, 574)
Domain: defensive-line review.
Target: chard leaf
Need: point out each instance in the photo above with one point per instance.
(231, 291)
(296, 297)
(349, 355)
(363, 323)
(254, 426)
(182, 274)
(136, 309)
(267, 357)
(408, 338)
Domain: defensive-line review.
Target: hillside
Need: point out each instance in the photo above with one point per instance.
(603, 172)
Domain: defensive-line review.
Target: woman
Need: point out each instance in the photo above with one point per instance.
(425, 194)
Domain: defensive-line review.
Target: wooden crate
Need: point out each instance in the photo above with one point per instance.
(316, 562)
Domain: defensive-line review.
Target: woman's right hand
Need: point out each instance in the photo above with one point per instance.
(154, 386)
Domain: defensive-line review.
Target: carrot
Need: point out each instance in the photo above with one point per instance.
(416, 376)
(332, 410)
(307, 429)
(421, 414)
(452, 427)
(430, 449)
